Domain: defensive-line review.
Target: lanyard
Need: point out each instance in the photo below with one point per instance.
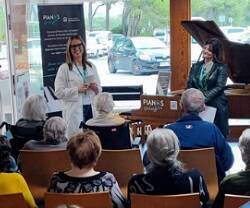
(202, 73)
(83, 75)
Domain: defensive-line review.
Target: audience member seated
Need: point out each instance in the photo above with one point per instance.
(12, 162)
(238, 183)
(54, 136)
(167, 176)
(11, 183)
(31, 124)
(34, 112)
(84, 150)
(193, 132)
(104, 105)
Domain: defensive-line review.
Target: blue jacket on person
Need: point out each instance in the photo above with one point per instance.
(193, 133)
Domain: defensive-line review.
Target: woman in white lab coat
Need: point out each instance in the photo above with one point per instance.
(76, 83)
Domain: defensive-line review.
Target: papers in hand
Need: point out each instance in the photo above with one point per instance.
(208, 114)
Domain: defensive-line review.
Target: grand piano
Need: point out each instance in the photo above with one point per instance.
(159, 110)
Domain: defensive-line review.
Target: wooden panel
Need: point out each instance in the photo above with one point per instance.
(179, 43)
(235, 132)
(239, 102)
(157, 110)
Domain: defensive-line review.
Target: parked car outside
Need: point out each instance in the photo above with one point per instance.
(245, 38)
(162, 34)
(115, 37)
(139, 55)
(94, 48)
(104, 37)
(233, 33)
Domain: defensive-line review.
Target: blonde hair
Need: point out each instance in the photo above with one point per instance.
(69, 57)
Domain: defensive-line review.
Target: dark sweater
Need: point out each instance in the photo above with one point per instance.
(238, 184)
(160, 181)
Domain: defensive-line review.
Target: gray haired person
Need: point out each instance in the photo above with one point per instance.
(238, 183)
(30, 126)
(194, 133)
(54, 135)
(163, 148)
(192, 102)
(167, 176)
(104, 105)
(35, 108)
(34, 112)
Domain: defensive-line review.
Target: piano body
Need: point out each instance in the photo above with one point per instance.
(159, 110)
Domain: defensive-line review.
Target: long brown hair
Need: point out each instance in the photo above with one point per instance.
(69, 57)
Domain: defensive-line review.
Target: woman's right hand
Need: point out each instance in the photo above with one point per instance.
(83, 88)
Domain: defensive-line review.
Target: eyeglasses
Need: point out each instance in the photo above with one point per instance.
(76, 46)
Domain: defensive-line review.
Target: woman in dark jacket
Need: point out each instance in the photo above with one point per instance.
(210, 76)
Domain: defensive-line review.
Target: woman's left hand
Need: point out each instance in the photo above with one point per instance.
(93, 86)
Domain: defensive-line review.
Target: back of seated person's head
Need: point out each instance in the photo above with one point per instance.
(192, 101)
(4, 155)
(54, 130)
(104, 102)
(84, 149)
(35, 108)
(244, 145)
(163, 148)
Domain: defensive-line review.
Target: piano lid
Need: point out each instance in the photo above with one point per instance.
(236, 55)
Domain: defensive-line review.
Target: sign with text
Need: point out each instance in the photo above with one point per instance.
(152, 105)
(57, 23)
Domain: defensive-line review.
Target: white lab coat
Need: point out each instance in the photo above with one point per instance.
(66, 88)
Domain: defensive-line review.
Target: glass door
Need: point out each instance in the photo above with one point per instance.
(19, 49)
(6, 86)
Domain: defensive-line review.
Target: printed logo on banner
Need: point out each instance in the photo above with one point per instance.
(51, 19)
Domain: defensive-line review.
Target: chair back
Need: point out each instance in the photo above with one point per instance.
(122, 163)
(37, 167)
(204, 161)
(21, 135)
(165, 201)
(12, 201)
(83, 200)
(235, 201)
(112, 137)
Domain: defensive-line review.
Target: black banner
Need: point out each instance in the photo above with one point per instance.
(57, 23)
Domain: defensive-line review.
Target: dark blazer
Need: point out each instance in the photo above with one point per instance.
(212, 86)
